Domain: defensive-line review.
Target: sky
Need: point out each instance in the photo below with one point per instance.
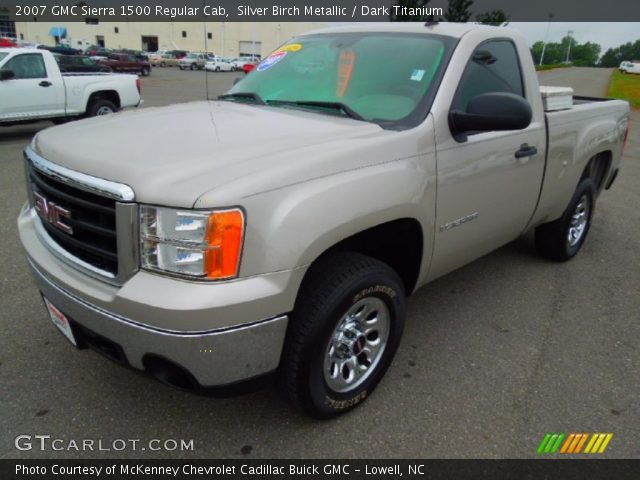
(607, 34)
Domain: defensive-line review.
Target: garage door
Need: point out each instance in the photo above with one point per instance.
(249, 48)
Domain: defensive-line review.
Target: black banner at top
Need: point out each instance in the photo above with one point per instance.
(318, 10)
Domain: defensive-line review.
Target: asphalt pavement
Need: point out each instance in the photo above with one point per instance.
(495, 354)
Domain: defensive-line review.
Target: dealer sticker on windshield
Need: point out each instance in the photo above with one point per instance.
(271, 60)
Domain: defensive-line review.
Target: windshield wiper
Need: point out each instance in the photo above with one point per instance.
(242, 95)
(339, 106)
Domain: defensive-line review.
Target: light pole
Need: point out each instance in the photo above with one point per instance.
(569, 47)
(546, 39)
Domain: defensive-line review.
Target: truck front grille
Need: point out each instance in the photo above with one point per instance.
(91, 218)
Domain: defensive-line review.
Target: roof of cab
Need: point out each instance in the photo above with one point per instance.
(455, 30)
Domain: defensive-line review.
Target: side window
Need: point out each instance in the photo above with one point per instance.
(494, 67)
(28, 65)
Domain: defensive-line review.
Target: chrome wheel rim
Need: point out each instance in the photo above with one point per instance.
(357, 344)
(578, 223)
(104, 111)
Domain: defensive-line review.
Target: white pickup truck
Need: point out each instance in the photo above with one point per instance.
(224, 257)
(33, 88)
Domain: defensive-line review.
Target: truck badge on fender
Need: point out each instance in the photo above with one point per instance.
(458, 222)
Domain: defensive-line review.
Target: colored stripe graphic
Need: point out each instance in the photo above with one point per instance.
(598, 442)
(573, 443)
(550, 443)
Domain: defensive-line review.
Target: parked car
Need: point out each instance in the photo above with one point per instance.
(249, 66)
(293, 253)
(193, 61)
(80, 64)
(61, 49)
(124, 62)
(97, 52)
(166, 60)
(218, 65)
(179, 53)
(33, 87)
(630, 67)
(6, 43)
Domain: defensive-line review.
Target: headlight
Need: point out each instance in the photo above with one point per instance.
(191, 243)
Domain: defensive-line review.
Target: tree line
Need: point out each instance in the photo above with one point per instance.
(567, 50)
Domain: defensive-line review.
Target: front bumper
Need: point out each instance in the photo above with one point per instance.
(215, 358)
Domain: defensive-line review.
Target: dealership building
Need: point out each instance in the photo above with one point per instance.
(227, 39)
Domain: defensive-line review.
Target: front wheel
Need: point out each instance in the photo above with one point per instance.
(145, 72)
(562, 239)
(343, 334)
(193, 66)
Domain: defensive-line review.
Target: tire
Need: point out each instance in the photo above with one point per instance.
(193, 66)
(180, 67)
(145, 72)
(330, 332)
(217, 69)
(562, 239)
(101, 107)
(162, 64)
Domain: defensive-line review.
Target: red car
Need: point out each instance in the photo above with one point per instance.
(247, 67)
(123, 62)
(5, 42)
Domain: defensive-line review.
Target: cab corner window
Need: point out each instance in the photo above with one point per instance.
(493, 68)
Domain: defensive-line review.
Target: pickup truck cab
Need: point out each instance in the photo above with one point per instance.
(32, 88)
(216, 260)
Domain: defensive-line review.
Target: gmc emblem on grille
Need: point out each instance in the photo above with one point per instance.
(52, 213)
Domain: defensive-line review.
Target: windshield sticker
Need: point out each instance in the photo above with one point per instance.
(271, 60)
(345, 68)
(417, 75)
(292, 47)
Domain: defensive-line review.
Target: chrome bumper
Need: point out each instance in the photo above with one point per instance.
(214, 358)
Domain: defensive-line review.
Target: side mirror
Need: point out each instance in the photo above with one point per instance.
(7, 74)
(491, 112)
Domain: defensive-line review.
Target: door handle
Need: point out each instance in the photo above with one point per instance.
(526, 151)
(44, 83)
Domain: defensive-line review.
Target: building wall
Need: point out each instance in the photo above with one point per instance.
(225, 37)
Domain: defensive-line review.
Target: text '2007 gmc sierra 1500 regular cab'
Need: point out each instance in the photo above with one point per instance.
(285, 230)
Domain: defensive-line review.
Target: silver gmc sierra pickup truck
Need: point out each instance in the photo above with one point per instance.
(284, 231)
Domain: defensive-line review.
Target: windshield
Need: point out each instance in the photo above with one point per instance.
(192, 55)
(381, 77)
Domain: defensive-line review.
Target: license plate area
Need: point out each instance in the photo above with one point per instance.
(61, 322)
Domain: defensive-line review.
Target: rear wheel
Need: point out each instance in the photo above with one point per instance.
(101, 107)
(343, 334)
(145, 72)
(562, 239)
(217, 69)
(193, 66)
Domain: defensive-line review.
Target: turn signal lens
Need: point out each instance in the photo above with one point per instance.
(224, 237)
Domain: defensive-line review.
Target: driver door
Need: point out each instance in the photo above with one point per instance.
(486, 193)
(33, 92)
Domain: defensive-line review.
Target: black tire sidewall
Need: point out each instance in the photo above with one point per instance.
(95, 106)
(587, 187)
(321, 400)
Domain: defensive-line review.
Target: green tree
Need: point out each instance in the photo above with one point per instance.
(410, 18)
(458, 11)
(494, 17)
(626, 52)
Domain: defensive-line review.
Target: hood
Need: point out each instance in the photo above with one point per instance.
(172, 155)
